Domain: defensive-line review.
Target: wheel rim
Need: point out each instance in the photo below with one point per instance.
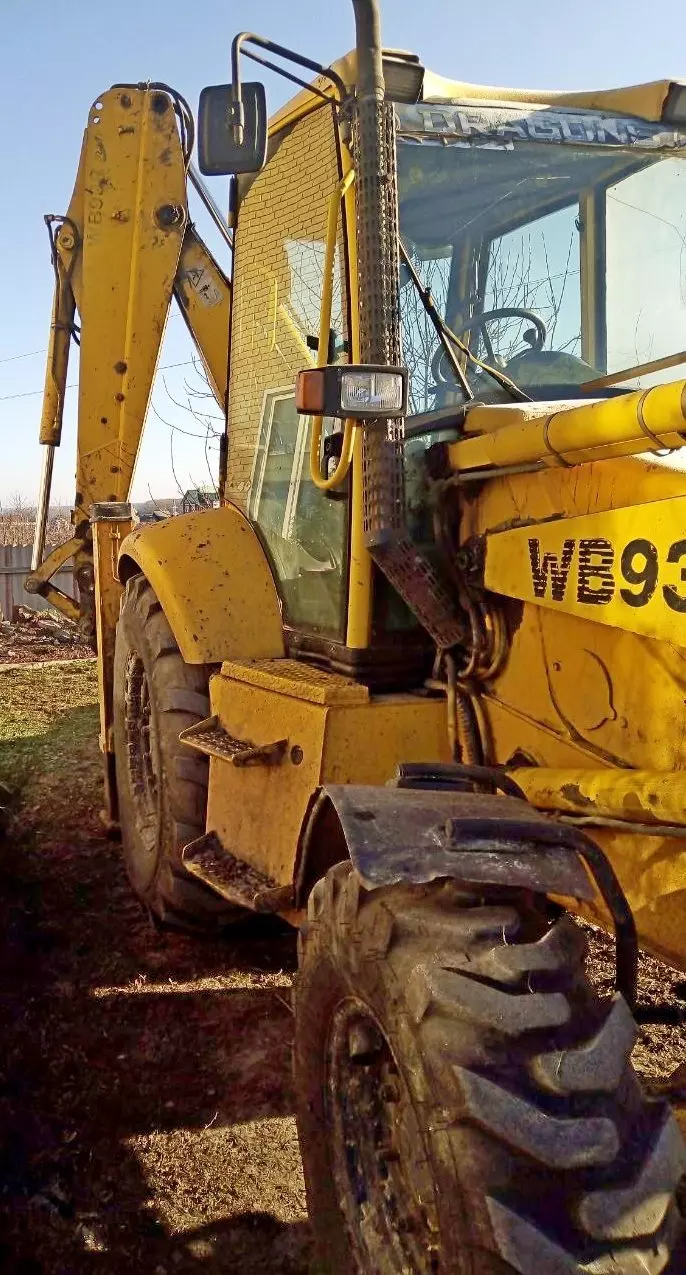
(142, 753)
(385, 1192)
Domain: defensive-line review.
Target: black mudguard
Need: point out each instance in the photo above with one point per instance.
(399, 835)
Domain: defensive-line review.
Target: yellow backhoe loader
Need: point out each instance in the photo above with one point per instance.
(417, 685)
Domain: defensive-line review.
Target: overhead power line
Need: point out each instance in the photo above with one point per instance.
(29, 355)
(5, 398)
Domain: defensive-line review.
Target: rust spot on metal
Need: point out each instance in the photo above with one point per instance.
(514, 524)
(573, 793)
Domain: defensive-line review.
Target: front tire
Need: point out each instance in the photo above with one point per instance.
(161, 783)
(466, 1104)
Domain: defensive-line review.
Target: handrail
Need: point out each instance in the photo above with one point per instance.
(336, 478)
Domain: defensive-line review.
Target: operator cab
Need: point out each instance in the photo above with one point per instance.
(552, 241)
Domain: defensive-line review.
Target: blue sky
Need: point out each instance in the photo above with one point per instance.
(55, 60)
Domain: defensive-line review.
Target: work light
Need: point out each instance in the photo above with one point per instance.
(358, 392)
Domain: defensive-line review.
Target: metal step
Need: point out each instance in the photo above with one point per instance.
(232, 878)
(209, 737)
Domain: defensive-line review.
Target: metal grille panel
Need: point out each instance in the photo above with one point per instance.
(410, 573)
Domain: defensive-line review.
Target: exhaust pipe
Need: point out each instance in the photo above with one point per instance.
(378, 258)
(370, 78)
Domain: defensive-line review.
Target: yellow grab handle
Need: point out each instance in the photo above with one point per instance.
(336, 478)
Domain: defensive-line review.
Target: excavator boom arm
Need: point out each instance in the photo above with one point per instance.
(124, 248)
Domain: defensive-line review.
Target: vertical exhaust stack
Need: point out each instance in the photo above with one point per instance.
(377, 248)
(370, 79)
(378, 253)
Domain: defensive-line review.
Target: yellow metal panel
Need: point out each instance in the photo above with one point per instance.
(645, 100)
(365, 745)
(652, 870)
(203, 293)
(579, 694)
(107, 539)
(258, 811)
(212, 578)
(290, 677)
(623, 567)
(555, 493)
(135, 209)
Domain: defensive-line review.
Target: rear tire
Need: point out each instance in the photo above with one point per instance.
(161, 783)
(466, 1104)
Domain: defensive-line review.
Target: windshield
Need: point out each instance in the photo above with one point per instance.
(556, 262)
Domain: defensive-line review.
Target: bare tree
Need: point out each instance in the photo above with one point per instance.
(516, 271)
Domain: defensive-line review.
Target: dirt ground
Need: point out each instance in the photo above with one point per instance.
(145, 1098)
(145, 1093)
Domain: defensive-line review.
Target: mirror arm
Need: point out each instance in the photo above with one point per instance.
(287, 75)
(248, 37)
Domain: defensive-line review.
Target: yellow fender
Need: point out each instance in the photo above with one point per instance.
(214, 583)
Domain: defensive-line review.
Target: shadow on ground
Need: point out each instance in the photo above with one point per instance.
(145, 1100)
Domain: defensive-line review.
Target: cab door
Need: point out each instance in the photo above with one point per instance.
(277, 293)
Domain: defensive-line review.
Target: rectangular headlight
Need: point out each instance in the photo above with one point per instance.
(358, 392)
(381, 393)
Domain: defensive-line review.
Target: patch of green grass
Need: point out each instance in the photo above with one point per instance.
(47, 714)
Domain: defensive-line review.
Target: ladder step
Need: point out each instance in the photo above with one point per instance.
(209, 737)
(234, 879)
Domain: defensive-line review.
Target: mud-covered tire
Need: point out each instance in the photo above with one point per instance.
(466, 1103)
(161, 783)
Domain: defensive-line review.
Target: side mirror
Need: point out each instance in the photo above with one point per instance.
(219, 153)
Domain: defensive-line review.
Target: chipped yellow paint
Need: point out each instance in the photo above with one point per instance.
(211, 576)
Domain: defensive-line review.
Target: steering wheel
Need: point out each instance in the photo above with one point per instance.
(479, 323)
